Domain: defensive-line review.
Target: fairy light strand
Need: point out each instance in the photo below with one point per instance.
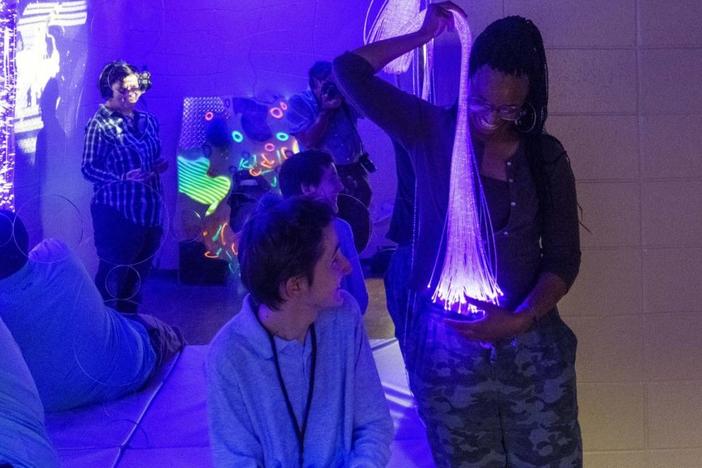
(8, 86)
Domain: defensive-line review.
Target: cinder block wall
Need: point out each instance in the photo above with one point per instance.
(626, 102)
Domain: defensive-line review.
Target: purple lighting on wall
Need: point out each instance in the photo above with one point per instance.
(8, 84)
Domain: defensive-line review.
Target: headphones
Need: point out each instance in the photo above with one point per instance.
(109, 71)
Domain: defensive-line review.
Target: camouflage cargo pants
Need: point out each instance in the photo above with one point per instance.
(512, 403)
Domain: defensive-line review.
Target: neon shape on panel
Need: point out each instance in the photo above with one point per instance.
(8, 88)
(197, 185)
(467, 270)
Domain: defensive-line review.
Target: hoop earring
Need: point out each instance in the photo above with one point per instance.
(527, 119)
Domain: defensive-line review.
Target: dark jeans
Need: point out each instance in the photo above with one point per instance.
(125, 251)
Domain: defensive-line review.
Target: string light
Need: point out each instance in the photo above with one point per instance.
(8, 88)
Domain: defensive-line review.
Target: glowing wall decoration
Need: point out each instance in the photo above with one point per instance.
(8, 76)
(259, 144)
(194, 182)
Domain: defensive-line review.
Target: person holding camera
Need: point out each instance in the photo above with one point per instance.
(321, 119)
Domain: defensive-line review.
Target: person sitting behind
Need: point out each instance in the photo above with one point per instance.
(291, 378)
(313, 173)
(78, 350)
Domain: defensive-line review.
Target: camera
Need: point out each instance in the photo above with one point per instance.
(365, 161)
(330, 90)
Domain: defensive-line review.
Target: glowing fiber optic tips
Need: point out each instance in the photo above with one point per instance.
(237, 136)
(282, 136)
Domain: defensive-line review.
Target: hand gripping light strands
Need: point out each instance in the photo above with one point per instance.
(395, 18)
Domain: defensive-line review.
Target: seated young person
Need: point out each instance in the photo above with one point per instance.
(23, 440)
(313, 173)
(291, 378)
(78, 350)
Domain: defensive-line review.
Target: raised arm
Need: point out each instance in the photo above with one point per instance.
(404, 117)
(437, 20)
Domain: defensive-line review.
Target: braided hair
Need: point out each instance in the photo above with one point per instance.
(513, 45)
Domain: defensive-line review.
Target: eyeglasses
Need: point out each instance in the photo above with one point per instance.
(506, 112)
(125, 91)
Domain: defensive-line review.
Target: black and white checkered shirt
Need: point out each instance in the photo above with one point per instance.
(114, 145)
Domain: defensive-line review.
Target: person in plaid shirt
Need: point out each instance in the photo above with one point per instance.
(122, 158)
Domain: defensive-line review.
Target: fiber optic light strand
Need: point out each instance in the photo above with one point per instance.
(395, 18)
(467, 271)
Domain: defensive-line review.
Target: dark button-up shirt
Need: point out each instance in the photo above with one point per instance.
(113, 147)
(538, 237)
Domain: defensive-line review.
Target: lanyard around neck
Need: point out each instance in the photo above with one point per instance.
(299, 431)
